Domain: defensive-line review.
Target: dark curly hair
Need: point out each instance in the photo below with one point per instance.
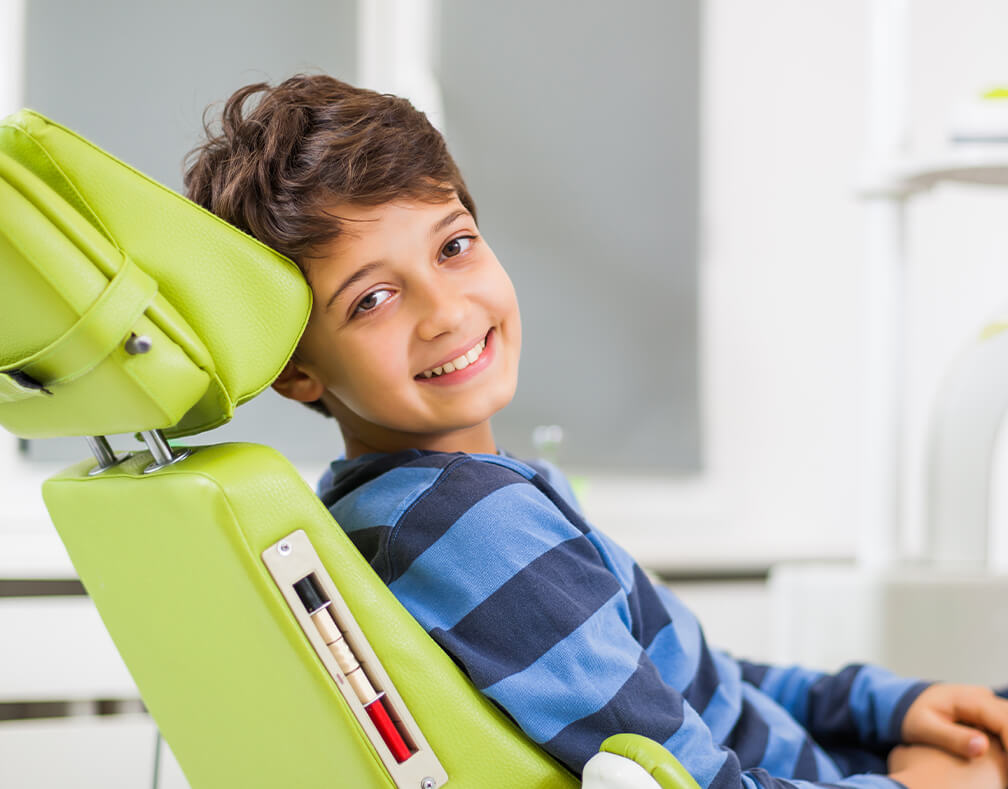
(283, 153)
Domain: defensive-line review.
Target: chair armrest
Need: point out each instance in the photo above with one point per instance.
(630, 761)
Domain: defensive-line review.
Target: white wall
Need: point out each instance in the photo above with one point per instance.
(11, 55)
(958, 235)
(782, 240)
(783, 232)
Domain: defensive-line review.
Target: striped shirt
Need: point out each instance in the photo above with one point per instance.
(564, 631)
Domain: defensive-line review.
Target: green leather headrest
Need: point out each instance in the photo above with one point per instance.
(93, 252)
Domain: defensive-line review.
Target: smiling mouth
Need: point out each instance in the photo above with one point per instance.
(458, 363)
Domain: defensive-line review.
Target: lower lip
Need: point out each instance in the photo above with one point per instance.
(474, 369)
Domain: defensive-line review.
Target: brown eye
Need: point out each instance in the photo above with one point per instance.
(456, 246)
(372, 300)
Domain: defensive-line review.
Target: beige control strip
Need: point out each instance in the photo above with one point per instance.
(348, 657)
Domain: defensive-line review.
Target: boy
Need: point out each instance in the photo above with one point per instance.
(412, 345)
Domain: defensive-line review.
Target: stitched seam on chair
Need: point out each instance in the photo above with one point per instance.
(175, 195)
(263, 579)
(130, 283)
(260, 577)
(93, 216)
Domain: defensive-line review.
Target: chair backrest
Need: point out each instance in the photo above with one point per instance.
(94, 251)
(126, 308)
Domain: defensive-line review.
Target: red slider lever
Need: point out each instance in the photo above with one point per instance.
(386, 728)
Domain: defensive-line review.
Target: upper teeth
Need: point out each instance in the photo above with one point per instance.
(460, 363)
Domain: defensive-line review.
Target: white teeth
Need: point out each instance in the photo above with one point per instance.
(460, 363)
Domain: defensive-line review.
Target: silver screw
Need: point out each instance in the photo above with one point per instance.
(428, 783)
(284, 548)
(138, 344)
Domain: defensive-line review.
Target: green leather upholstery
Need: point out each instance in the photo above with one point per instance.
(94, 251)
(238, 692)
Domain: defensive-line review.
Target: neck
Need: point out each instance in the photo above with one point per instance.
(477, 439)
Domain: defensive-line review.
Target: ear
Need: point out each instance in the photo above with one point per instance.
(298, 384)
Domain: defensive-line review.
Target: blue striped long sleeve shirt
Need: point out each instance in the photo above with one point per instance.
(565, 632)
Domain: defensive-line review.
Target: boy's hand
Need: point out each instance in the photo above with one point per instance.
(957, 719)
(924, 767)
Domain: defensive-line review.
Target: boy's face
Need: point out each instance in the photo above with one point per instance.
(408, 291)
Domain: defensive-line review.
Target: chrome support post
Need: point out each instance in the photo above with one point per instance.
(162, 452)
(104, 454)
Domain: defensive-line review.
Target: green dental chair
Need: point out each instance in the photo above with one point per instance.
(263, 645)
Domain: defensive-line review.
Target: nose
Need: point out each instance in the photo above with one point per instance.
(442, 308)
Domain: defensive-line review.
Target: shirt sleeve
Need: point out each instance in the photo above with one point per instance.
(860, 705)
(519, 596)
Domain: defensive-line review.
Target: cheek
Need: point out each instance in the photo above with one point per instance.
(363, 373)
(499, 294)
(516, 331)
(512, 317)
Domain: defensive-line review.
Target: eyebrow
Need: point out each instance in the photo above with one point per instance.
(443, 223)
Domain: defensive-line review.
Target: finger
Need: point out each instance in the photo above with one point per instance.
(955, 738)
(989, 713)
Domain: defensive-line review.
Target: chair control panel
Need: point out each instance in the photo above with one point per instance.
(349, 659)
